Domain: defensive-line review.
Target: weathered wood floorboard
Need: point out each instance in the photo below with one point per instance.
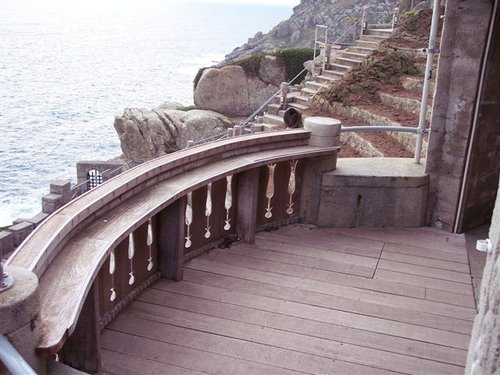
(305, 300)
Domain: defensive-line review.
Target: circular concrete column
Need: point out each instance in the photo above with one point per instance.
(325, 131)
(19, 311)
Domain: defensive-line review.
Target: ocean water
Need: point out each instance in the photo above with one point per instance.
(68, 67)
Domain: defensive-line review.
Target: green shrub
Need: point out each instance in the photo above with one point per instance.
(294, 59)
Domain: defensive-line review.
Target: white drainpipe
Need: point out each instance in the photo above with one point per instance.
(428, 68)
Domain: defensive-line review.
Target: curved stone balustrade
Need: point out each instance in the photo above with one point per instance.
(68, 250)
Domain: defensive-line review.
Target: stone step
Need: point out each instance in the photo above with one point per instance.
(270, 127)
(332, 74)
(408, 140)
(328, 79)
(301, 99)
(416, 84)
(407, 105)
(338, 67)
(372, 38)
(384, 26)
(364, 50)
(300, 107)
(354, 55)
(347, 62)
(308, 92)
(313, 85)
(385, 33)
(273, 108)
(272, 119)
(366, 44)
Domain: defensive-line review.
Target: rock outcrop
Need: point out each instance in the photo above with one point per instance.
(298, 30)
(236, 91)
(148, 134)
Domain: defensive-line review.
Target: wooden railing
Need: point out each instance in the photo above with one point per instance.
(95, 254)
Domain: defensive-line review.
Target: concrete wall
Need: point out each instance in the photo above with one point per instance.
(484, 349)
(374, 192)
(484, 166)
(463, 42)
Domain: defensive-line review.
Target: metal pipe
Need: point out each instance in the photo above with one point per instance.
(375, 128)
(428, 68)
(11, 358)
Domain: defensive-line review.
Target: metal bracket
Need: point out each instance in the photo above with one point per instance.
(422, 131)
(431, 50)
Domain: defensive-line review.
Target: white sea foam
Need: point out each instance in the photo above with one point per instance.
(66, 71)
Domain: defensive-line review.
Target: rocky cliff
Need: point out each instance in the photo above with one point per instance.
(298, 30)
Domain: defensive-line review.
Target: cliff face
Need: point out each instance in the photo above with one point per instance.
(298, 30)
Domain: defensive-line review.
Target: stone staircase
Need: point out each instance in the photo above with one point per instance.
(340, 63)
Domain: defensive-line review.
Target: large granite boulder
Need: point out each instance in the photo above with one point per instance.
(148, 134)
(233, 91)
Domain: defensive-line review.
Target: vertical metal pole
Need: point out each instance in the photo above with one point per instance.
(315, 41)
(425, 90)
(363, 21)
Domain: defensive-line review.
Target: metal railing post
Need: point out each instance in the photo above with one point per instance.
(425, 91)
(363, 21)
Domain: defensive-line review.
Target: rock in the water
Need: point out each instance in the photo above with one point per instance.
(233, 92)
(148, 134)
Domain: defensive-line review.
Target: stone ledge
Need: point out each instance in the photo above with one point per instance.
(374, 192)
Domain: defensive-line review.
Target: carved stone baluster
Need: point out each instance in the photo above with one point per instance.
(112, 269)
(149, 243)
(291, 186)
(131, 254)
(208, 210)
(228, 202)
(270, 190)
(189, 219)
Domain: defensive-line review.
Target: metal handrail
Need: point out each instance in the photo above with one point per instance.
(11, 358)
(379, 128)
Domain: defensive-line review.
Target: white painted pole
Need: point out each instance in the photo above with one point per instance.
(425, 91)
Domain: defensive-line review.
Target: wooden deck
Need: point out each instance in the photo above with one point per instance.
(302, 300)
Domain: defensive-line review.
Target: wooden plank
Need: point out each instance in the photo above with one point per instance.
(304, 326)
(426, 282)
(401, 236)
(250, 351)
(328, 271)
(294, 247)
(183, 357)
(246, 216)
(426, 262)
(289, 340)
(252, 294)
(343, 297)
(128, 364)
(171, 239)
(426, 253)
(424, 271)
(450, 298)
(316, 238)
(290, 260)
(82, 349)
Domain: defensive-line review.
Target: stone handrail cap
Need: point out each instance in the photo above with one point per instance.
(322, 126)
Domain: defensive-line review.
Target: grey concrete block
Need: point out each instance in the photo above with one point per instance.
(21, 231)
(51, 202)
(6, 242)
(62, 188)
(374, 193)
(35, 220)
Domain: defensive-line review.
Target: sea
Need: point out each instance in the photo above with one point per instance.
(68, 67)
